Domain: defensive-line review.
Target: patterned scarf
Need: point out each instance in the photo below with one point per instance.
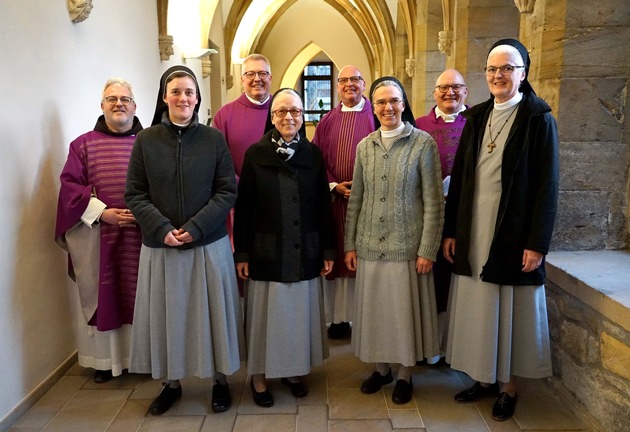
(285, 149)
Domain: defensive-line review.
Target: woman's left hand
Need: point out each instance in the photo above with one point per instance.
(531, 260)
(183, 236)
(423, 265)
(328, 266)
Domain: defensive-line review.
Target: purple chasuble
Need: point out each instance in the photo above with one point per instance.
(243, 124)
(337, 135)
(446, 135)
(97, 163)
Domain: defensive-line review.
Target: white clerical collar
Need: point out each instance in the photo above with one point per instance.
(448, 118)
(357, 107)
(254, 101)
(394, 132)
(509, 104)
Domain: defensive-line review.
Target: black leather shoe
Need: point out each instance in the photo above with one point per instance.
(102, 376)
(503, 408)
(476, 392)
(375, 382)
(263, 399)
(165, 399)
(339, 331)
(402, 392)
(298, 389)
(221, 399)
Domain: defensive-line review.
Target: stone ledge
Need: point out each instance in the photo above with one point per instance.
(600, 279)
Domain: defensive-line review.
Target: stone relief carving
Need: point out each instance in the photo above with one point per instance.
(206, 67)
(525, 6)
(79, 10)
(445, 42)
(166, 46)
(410, 67)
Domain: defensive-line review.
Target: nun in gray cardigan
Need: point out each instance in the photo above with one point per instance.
(393, 233)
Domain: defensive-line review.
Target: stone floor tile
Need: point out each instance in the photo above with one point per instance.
(406, 419)
(172, 424)
(317, 387)
(52, 402)
(544, 412)
(440, 414)
(265, 423)
(124, 381)
(131, 416)
(352, 404)
(312, 418)
(359, 426)
(220, 422)
(89, 410)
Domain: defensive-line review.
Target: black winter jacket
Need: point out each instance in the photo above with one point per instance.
(528, 203)
(283, 223)
(180, 178)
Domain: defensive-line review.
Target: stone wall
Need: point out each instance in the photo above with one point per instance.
(590, 335)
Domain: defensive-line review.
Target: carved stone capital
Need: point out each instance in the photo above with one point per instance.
(525, 6)
(229, 81)
(445, 42)
(410, 67)
(166, 46)
(206, 67)
(79, 10)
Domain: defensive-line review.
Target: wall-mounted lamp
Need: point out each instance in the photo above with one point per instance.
(198, 53)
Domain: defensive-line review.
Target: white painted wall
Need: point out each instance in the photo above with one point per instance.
(51, 75)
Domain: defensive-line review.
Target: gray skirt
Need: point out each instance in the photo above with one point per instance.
(395, 318)
(187, 319)
(285, 328)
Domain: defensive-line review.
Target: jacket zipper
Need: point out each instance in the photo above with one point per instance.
(180, 176)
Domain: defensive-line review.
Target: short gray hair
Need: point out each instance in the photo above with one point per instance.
(118, 81)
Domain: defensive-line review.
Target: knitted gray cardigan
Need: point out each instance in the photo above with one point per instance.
(396, 208)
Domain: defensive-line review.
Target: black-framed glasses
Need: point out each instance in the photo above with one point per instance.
(443, 88)
(283, 112)
(352, 79)
(250, 75)
(381, 103)
(505, 70)
(113, 100)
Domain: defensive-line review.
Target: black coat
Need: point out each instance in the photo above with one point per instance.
(528, 204)
(283, 222)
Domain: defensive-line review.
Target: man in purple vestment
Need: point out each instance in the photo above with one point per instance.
(337, 135)
(100, 234)
(445, 123)
(242, 121)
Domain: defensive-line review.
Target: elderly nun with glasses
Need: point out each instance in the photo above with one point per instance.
(500, 214)
(393, 234)
(284, 242)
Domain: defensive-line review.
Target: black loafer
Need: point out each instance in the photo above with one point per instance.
(375, 382)
(339, 331)
(298, 389)
(263, 399)
(165, 399)
(503, 408)
(402, 392)
(476, 392)
(102, 376)
(221, 398)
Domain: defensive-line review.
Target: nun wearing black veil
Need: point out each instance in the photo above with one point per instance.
(180, 187)
(499, 219)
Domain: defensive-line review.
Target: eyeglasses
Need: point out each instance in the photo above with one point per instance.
(283, 112)
(352, 79)
(443, 88)
(113, 100)
(505, 70)
(383, 103)
(250, 75)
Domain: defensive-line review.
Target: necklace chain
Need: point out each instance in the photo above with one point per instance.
(491, 145)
